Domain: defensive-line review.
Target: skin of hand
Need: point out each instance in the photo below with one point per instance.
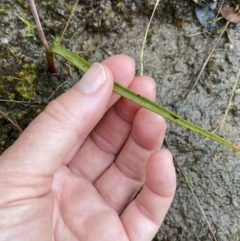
(74, 173)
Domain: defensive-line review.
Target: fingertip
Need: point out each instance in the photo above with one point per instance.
(122, 67)
(149, 129)
(152, 204)
(151, 119)
(144, 85)
(118, 59)
(161, 175)
(145, 80)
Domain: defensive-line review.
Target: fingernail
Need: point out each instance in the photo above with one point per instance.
(92, 80)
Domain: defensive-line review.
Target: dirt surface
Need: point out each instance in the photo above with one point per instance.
(175, 51)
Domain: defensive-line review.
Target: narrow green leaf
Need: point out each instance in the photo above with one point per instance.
(24, 21)
(141, 100)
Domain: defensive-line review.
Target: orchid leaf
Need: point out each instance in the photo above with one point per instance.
(83, 65)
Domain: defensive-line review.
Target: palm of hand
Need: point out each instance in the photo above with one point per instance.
(93, 193)
(71, 185)
(82, 213)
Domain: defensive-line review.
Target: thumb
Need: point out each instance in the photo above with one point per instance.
(65, 123)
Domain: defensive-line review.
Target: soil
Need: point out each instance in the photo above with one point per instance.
(177, 46)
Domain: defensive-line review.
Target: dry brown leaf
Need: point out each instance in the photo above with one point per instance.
(229, 13)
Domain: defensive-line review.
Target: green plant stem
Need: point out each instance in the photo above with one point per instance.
(141, 100)
(50, 61)
(49, 56)
(38, 24)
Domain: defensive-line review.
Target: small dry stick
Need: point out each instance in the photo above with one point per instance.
(72, 12)
(230, 101)
(15, 101)
(12, 121)
(207, 60)
(53, 93)
(145, 38)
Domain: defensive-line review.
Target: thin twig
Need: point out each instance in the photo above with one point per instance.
(207, 60)
(15, 101)
(25, 103)
(230, 101)
(53, 93)
(72, 12)
(229, 38)
(145, 38)
(190, 188)
(12, 121)
(105, 51)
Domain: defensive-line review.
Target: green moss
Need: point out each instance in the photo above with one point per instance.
(38, 111)
(47, 4)
(11, 96)
(20, 116)
(2, 10)
(108, 11)
(69, 8)
(25, 86)
(23, 3)
(20, 85)
(189, 180)
(120, 4)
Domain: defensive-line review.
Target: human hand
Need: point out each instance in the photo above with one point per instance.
(74, 172)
